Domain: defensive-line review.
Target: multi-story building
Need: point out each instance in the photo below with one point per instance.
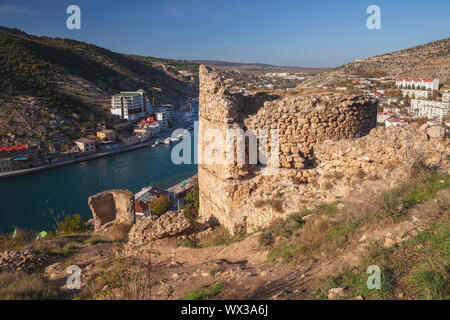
(5, 164)
(417, 94)
(430, 109)
(106, 134)
(131, 105)
(166, 108)
(416, 83)
(161, 117)
(17, 157)
(85, 145)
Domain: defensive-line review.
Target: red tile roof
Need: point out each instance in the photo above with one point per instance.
(16, 148)
(415, 79)
(394, 119)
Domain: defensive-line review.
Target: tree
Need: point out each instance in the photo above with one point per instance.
(160, 204)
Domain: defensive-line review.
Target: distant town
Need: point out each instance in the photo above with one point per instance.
(145, 124)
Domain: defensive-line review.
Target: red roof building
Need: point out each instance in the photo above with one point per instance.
(14, 148)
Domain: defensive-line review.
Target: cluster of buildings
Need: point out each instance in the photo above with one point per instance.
(144, 198)
(285, 75)
(17, 157)
(430, 109)
(419, 99)
(420, 90)
(417, 83)
(133, 106)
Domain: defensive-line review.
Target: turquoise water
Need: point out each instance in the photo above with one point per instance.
(26, 201)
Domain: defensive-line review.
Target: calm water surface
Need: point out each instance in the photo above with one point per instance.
(26, 201)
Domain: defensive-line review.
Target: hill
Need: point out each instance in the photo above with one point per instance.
(430, 60)
(53, 89)
(257, 68)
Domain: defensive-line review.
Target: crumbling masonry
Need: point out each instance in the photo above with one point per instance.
(325, 151)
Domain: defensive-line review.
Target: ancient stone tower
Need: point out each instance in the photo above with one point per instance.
(239, 195)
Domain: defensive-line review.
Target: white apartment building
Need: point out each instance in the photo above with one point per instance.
(131, 105)
(161, 117)
(446, 97)
(417, 94)
(393, 122)
(430, 109)
(415, 83)
(165, 108)
(163, 113)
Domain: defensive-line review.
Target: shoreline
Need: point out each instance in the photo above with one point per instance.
(94, 156)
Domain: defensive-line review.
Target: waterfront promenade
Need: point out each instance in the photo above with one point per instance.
(163, 135)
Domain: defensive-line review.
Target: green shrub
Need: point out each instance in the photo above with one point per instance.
(266, 238)
(73, 224)
(160, 205)
(203, 293)
(431, 283)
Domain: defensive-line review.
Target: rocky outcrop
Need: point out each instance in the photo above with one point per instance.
(112, 207)
(171, 223)
(11, 261)
(436, 132)
(328, 148)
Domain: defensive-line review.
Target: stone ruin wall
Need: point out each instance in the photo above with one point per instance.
(112, 206)
(326, 152)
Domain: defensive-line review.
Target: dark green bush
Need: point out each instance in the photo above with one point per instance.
(73, 224)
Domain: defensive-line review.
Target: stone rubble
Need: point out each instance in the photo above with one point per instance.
(171, 223)
(11, 261)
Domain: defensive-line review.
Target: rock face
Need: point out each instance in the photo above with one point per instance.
(112, 206)
(336, 293)
(11, 261)
(171, 223)
(328, 147)
(436, 132)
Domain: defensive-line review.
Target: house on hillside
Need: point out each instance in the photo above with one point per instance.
(85, 145)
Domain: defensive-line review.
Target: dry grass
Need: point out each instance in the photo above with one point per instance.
(22, 238)
(277, 205)
(119, 232)
(330, 230)
(120, 279)
(22, 286)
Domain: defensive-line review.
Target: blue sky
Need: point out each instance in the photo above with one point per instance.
(322, 33)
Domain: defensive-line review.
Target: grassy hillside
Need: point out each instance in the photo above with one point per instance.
(71, 82)
(431, 60)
